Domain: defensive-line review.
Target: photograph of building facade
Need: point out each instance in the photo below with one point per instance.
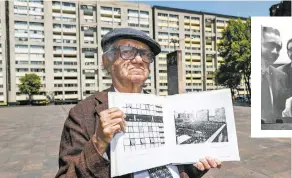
(63, 46)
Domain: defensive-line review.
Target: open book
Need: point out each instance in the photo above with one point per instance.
(177, 129)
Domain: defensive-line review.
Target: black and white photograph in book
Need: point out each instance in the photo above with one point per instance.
(145, 127)
(276, 76)
(205, 125)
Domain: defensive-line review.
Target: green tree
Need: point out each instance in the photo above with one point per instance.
(235, 48)
(30, 84)
(227, 76)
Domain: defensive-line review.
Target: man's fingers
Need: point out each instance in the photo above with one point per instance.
(108, 111)
(115, 129)
(211, 162)
(205, 163)
(200, 166)
(219, 164)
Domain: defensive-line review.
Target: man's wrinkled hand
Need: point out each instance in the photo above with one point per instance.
(111, 121)
(207, 163)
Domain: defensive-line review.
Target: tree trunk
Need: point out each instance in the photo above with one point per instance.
(30, 98)
(247, 85)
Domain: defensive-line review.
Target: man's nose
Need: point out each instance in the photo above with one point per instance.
(138, 58)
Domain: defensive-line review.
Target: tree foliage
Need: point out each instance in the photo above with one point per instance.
(227, 76)
(30, 84)
(235, 48)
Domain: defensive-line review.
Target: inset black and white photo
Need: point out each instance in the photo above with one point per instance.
(205, 125)
(145, 127)
(271, 75)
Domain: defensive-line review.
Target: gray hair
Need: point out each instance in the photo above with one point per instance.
(108, 52)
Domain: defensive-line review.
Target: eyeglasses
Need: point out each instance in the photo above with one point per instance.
(129, 53)
(272, 45)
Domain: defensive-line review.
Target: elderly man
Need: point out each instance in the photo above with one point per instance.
(90, 126)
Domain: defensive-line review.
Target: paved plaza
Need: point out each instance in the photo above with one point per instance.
(30, 136)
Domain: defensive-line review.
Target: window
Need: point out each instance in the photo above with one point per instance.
(70, 78)
(106, 8)
(21, 69)
(21, 62)
(57, 70)
(162, 15)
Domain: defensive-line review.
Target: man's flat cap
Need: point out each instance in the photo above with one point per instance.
(130, 33)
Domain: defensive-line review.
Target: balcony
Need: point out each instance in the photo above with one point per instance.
(210, 75)
(133, 15)
(24, 35)
(195, 27)
(187, 57)
(196, 22)
(56, 7)
(196, 57)
(220, 24)
(59, 30)
(106, 12)
(70, 74)
(89, 38)
(21, 50)
(88, 18)
(35, 4)
(32, 35)
(196, 40)
(197, 75)
(106, 19)
(173, 19)
(68, 8)
(220, 30)
(35, 13)
(35, 27)
(20, 11)
(37, 51)
(69, 30)
(69, 16)
(161, 18)
(70, 81)
(69, 37)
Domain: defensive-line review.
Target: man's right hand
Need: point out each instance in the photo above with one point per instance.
(111, 121)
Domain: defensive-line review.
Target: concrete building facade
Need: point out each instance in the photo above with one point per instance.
(196, 34)
(60, 42)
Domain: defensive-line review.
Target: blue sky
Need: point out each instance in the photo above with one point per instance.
(235, 8)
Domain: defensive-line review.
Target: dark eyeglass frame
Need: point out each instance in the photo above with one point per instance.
(136, 52)
(272, 45)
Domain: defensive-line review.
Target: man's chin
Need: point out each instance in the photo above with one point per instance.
(137, 79)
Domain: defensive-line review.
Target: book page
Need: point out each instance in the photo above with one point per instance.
(144, 138)
(203, 125)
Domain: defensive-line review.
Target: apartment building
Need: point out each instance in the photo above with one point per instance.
(63, 46)
(196, 35)
(3, 90)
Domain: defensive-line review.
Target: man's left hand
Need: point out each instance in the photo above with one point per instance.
(207, 163)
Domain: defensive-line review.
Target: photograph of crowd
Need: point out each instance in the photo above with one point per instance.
(206, 125)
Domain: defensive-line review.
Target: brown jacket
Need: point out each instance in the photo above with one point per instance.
(78, 155)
